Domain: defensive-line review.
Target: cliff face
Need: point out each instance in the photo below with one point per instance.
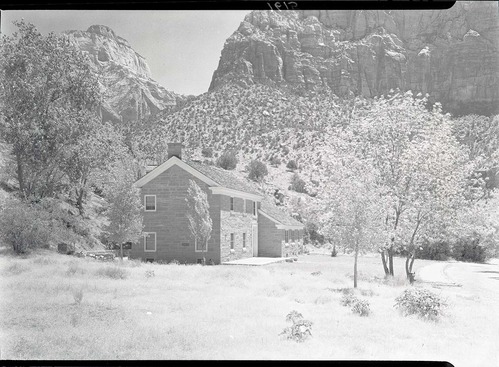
(450, 54)
(129, 91)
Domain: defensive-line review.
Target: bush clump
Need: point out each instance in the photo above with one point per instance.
(292, 165)
(361, 307)
(439, 251)
(227, 160)
(207, 152)
(301, 328)
(257, 170)
(470, 250)
(421, 302)
(348, 299)
(297, 184)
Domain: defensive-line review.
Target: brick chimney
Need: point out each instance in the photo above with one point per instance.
(175, 149)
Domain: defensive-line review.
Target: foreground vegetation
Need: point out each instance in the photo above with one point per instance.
(61, 307)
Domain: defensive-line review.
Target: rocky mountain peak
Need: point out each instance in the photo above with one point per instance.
(451, 54)
(130, 92)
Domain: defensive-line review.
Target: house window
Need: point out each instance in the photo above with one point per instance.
(200, 247)
(254, 208)
(150, 241)
(231, 204)
(232, 241)
(244, 240)
(244, 206)
(150, 203)
(286, 236)
(292, 235)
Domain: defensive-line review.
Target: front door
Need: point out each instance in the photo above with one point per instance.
(254, 239)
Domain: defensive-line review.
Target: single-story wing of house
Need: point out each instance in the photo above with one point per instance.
(245, 223)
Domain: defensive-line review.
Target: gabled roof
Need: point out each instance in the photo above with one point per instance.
(279, 216)
(213, 176)
(223, 177)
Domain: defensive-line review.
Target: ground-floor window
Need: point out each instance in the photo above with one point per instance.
(244, 240)
(200, 246)
(286, 236)
(150, 241)
(232, 241)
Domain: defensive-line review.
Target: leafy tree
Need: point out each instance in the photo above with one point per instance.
(227, 160)
(198, 215)
(99, 147)
(420, 165)
(48, 96)
(352, 206)
(257, 170)
(125, 206)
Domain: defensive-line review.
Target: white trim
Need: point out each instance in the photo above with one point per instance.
(145, 203)
(169, 163)
(155, 241)
(195, 247)
(220, 190)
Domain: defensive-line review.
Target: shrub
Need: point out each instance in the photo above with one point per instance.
(348, 299)
(361, 307)
(297, 184)
(440, 251)
(292, 165)
(301, 328)
(421, 302)
(257, 170)
(227, 160)
(24, 226)
(150, 273)
(275, 161)
(207, 152)
(113, 272)
(469, 250)
(174, 262)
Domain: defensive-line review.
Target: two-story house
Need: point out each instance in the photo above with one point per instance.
(245, 223)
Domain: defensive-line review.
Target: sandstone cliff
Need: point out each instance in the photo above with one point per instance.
(450, 54)
(129, 91)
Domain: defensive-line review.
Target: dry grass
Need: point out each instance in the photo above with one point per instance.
(59, 307)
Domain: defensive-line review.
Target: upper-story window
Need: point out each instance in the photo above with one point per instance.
(231, 204)
(254, 208)
(150, 203)
(244, 240)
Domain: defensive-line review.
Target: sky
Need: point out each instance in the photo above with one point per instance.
(182, 48)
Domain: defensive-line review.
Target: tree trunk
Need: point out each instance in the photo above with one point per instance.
(383, 260)
(79, 200)
(390, 259)
(409, 261)
(20, 176)
(355, 266)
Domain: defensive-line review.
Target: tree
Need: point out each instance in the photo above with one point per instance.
(257, 170)
(99, 147)
(419, 163)
(227, 160)
(198, 215)
(125, 209)
(353, 205)
(48, 96)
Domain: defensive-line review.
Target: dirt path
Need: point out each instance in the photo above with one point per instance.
(475, 279)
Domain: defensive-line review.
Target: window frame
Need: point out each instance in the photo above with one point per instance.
(196, 247)
(145, 235)
(145, 203)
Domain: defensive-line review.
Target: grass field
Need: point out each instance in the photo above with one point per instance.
(61, 307)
